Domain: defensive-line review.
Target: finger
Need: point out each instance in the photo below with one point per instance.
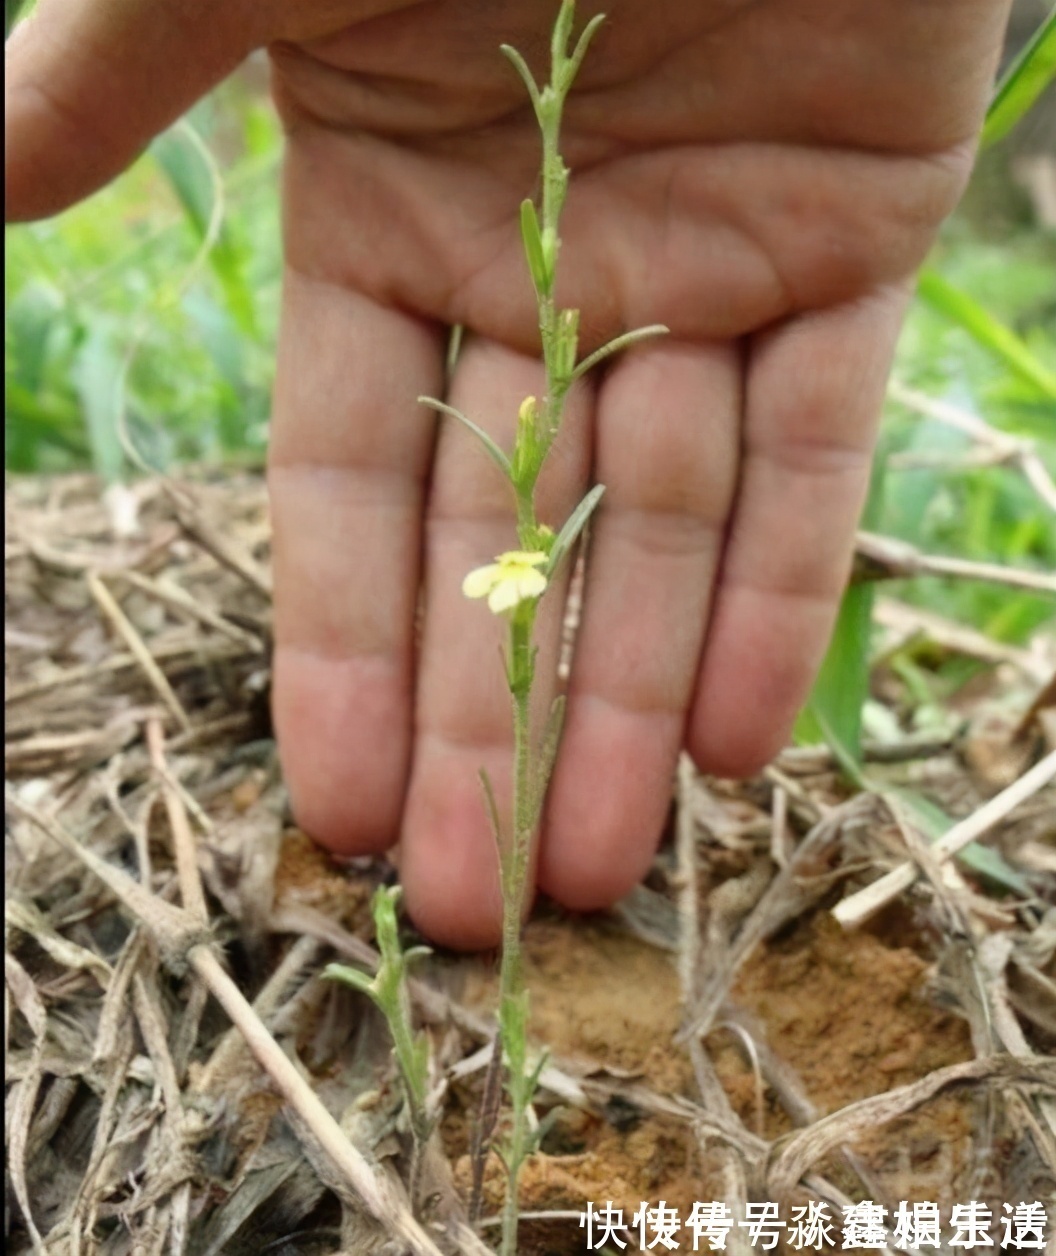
(667, 454)
(448, 861)
(90, 82)
(349, 457)
(814, 393)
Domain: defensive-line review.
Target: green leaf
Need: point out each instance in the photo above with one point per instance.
(521, 66)
(547, 754)
(12, 9)
(186, 163)
(1026, 78)
(562, 32)
(533, 248)
(492, 450)
(833, 713)
(617, 345)
(226, 348)
(571, 67)
(98, 375)
(32, 316)
(492, 809)
(985, 330)
(574, 525)
(354, 977)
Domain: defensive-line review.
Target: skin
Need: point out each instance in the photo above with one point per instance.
(763, 176)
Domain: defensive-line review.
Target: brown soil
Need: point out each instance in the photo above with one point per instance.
(850, 1015)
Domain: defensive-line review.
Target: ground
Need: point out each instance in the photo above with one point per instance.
(908, 1057)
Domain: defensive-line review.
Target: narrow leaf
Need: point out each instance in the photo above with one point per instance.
(933, 822)
(574, 525)
(351, 977)
(191, 170)
(562, 32)
(985, 330)
(1024, 81)
(98, 375)
(617, 345)
(548, 745)
(533, 248)
(491, 807)
(582, 44)
(833, 713)
(521, 66)
(493, 451)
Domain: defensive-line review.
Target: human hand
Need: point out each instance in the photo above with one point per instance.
(763, 178)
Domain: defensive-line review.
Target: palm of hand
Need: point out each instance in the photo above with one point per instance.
(769, 208)
(762, 178)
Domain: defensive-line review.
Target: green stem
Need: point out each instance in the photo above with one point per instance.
(516, 860)
(406, 1057)
(511, 1208)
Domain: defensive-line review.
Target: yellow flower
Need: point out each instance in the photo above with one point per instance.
(513, 578)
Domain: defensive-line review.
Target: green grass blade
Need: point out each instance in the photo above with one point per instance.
(1028, 76)
(985, 330)
(833, 713)
(98, 373)
(188, 166)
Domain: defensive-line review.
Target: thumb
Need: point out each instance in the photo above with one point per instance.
(90, 82)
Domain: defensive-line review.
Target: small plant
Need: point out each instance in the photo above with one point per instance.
(516, 581)
(388, 990)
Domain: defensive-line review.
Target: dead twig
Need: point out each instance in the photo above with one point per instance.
(226, 553)
(180, 936)
(794, 888)
(177, 598)
(23, 1098)
(184, 846)
(807, 1146)
(854, 909)
(887, 558)
(107, 603)
(1012, 450)
(907, 622)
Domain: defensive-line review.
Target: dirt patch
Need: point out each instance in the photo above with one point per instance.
(849, 1015)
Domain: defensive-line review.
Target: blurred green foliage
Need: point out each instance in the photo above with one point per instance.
(981, 335)
(115, 305)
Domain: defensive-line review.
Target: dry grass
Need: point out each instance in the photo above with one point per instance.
(179, 1078)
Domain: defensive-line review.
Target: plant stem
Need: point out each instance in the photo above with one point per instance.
(536, 434)
(513, 1006)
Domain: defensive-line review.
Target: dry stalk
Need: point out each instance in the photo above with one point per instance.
(1004, 448)
(116, 663)
(790, 893)
(854, 909)
(226, 553)
(177, 598)
(887, 558)
(185, 848)
(179, 934)
(806, 1147)
(712, 1094)
(23, 1098)
(909, 621)
(107, 603)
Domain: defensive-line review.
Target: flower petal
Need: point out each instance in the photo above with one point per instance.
(530, 583)
(503, 597)
(522, 558)
(481, 580)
